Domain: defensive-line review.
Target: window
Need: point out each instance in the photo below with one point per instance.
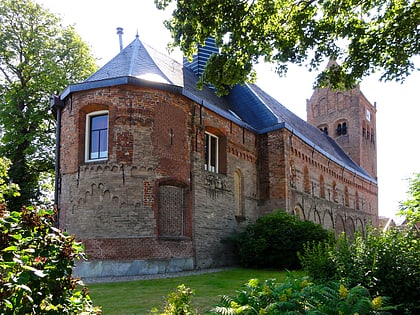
(97, 136)
(239, 194)
(212, 153)
(341, 129)
(321, 186)
(323, 129)
(307, 184)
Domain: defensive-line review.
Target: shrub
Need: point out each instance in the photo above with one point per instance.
(178, 302)
(36, 264)
(299, 296)
(274, 240)
(385, 263)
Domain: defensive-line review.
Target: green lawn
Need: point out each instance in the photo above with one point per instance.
(139, 297)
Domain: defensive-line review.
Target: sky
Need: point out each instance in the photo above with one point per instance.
(398, 105)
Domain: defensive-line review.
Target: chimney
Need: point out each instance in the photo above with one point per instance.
(203, 54)
(120, 33)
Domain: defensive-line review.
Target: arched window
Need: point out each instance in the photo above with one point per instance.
(357, 201)
(346, 197)
(321, 186)
(341, 129)
(239, 194)
(323, 129)
(307, 184)
(344, 128)
(334, 191)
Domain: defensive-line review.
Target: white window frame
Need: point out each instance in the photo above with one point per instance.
(209, 153)
(88, 135)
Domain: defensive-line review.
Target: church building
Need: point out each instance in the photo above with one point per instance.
(153, 174)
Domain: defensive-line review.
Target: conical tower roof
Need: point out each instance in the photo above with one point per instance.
(143, 62)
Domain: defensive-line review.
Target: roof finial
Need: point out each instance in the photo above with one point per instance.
(137, 33)
(120, 33)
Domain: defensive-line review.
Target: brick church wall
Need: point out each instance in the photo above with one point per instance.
(324, 192)
(153, 197)
(214, 200)
(113, 203)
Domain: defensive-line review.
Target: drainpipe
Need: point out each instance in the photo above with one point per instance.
(57, 105)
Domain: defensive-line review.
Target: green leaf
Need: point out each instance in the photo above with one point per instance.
(11, 248)
(37, 272)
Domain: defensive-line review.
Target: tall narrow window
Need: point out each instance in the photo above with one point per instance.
(306, 182)
(212, 153)
(239, 194)
(321, 186)
(341, 129)
(97, 136)
(346, 197)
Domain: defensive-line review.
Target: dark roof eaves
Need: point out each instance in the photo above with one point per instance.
(216, 109)
(126, 80)
(317, 148)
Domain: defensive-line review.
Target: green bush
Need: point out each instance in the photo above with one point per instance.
(36, 265)
(385, 263)
(178, 302)
(274, 240)
(299, 296)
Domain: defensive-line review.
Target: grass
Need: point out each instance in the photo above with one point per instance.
(139, 297)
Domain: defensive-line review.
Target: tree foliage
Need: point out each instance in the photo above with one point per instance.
(38, 57)
(36, 266)
(386, 263)
(6, 188)
(410, 208)
(363, 36)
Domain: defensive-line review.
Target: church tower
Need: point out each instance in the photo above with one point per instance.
(350, 119)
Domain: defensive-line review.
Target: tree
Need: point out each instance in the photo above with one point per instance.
(38, 57)
(6, 189)
(410, 208)
(363, 36)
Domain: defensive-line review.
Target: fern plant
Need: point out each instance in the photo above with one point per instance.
(299, 296)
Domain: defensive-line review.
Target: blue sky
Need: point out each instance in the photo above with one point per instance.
(398, 104)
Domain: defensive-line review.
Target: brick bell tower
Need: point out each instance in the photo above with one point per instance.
(349, 119)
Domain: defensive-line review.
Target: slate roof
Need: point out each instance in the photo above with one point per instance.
(247, 105)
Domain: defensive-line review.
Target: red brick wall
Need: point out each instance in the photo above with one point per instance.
(328, 108)
(157, 138)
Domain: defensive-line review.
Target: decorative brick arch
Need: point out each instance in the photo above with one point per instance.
(328, 221)
(339, 225)
(316, 218)
(298, 211)
(359, 226)
(350, 227)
